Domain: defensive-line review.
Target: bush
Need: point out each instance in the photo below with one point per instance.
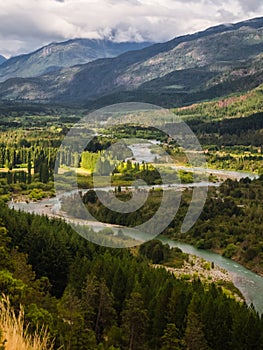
(230, 250)
(36, 194)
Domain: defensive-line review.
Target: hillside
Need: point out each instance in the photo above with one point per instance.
(231, 106)
(55, 56)
(191, 68)
(93, 298)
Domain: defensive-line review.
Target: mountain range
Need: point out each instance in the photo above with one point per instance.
(65, 54)
(212, 63)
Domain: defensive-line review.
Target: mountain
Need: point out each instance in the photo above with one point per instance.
(2, 59)
(55, 56)
(190, 68)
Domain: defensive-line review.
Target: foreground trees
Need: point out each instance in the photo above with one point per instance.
(95, 298)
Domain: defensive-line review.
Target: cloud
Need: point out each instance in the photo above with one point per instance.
(251, 5)
(29, 24)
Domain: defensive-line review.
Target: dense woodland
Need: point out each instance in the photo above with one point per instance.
(234, 144)
(232, 106)
(230, 132)
(91, 297)
(230, 222)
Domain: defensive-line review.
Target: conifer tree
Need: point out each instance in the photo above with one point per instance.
(170, 339)
(194, 334)
(134, 319)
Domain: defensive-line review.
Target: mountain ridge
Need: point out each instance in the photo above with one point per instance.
(183, 70)
(59, 55)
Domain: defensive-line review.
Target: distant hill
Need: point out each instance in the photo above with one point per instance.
(209, 64)
(55, 56)
(231, 106)
(2, 59)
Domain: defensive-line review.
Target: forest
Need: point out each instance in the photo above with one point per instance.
(90, 297)
(230, 222)
(236, 105)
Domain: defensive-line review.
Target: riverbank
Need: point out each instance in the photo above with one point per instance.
(207, 272)
(250, 284)
(257, 269)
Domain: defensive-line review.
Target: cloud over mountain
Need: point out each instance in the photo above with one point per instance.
(27, 25)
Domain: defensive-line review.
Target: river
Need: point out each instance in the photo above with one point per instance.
(249, 283)
(142, 152)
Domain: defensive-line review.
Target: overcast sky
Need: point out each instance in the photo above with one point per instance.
(26, 25)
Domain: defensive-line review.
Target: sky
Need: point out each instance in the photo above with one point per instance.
(29, 24)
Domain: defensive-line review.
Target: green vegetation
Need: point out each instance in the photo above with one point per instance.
(237, 158)
(27, 160)
(96, 298)
(233, 106)
(136, 131)
(230, 222)
(104, 214)
(91, 297)
(234, 144)
(230, 132)
(158, 253)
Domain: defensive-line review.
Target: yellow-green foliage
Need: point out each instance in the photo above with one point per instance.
(233, 106)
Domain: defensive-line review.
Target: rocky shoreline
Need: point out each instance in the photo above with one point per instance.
(198, 268)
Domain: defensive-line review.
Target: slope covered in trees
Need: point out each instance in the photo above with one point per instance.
(91, 297)
(230, 222)
(232, 106)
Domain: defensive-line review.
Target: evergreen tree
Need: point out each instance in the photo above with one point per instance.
(89, 299)
(119, 289)
(105, 311)
(170, 340)
(134, 319)
(194, 334)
